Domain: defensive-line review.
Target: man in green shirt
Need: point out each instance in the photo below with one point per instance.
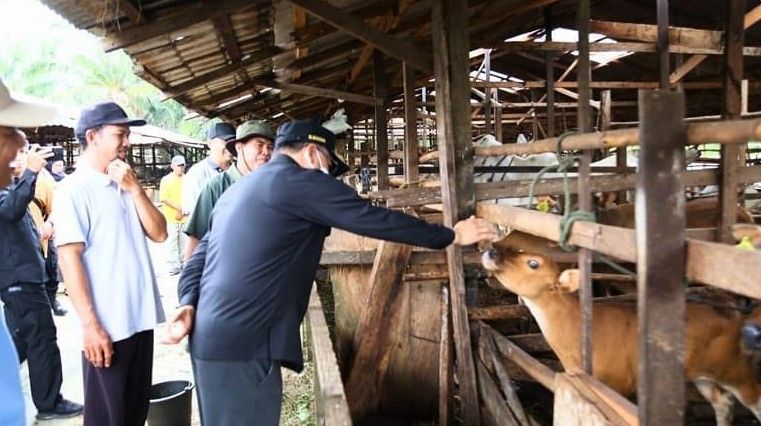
(252, 147)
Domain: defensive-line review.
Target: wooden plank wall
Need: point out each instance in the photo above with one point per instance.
(332, 408)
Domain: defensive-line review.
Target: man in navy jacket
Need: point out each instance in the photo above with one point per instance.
(22, 290)
(250, 278)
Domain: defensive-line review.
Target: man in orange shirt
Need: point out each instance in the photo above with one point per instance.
(40, 209)
(170, 195)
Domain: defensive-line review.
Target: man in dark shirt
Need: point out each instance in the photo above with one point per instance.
(252, 148)
(22, 290)
(250, 284)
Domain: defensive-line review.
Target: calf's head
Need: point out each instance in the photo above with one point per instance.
(526, 274)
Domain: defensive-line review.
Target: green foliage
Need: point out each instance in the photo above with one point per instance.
(68, 67)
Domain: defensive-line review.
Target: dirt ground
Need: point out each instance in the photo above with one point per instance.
(171, 362)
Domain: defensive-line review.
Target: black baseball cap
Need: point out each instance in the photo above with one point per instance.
(104, 113)
(221, 130)
(311, 131)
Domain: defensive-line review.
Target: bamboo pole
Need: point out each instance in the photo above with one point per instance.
(721, 132)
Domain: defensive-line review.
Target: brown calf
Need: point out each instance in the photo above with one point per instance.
(714, 358)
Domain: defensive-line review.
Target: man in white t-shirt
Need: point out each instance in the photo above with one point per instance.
(202, 172)
(102, 217)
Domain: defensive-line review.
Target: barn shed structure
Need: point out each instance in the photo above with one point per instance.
(416, 336)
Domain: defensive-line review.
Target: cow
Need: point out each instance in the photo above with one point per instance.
(714, 358)
(528, 160)
(699, 213)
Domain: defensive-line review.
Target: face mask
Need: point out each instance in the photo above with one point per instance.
(311, 164)
(322, 167)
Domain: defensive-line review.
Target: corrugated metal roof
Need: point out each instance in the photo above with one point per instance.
(216, 57)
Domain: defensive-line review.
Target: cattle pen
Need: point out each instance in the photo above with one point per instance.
(416, 336)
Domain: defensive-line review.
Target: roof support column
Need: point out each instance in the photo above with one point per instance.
(449, 28)
(381, 118)
(732, 156)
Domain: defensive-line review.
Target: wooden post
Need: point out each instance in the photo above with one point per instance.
(487, 93)
(660, 234)
(663, 44)
(445, 362)
(535, 136)
(498, 133)
(381, 118)
(372, 336)
(585, 197)
(550, 85)
(424, 135)
(606, 112)
(449, 28)
(732, 156)
(410, 126)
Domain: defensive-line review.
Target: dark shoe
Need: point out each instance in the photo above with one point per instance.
(64, 409)
(174, 271)
(58, 310)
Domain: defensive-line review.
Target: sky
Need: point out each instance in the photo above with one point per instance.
(23, 20)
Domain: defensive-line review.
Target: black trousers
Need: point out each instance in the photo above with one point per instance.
(51, 268)
(120, 394)
(27, 312)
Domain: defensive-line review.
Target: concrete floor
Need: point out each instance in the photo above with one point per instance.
(171, 362)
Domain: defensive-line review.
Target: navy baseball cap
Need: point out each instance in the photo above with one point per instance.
(221, 130)
(104, 113)
(311, 131)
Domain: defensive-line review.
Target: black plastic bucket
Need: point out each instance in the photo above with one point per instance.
(171, 403)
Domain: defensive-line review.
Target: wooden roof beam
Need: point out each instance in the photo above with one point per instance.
(134, 13)
(385, 26)
(626, 46)
(262, 55)
(687, 37)
(328, 93)
(225, 31)
(343, 50)
(186, 16)
(402, 50)
(255, 104)
(227, 95)
(303, 90)
(750, 19)
(540, 84)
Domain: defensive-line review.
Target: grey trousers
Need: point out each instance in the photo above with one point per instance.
(238, 393)
(175, 243)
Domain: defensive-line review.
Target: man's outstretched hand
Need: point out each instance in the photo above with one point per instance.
(473, 230)
(179, 325)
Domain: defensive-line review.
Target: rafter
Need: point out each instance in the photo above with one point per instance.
(750, 19)
(627, 46)
(226, 32)
(262, 55)
(343, 50)
(681, 36)
(385, 24)
(403, 50)
(188, 15)
(133, 12)
(299, 22)
(301, 89)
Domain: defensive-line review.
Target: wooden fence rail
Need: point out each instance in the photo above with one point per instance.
(332, 407)
(721, 132)
(719, 265)
(521, 188)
